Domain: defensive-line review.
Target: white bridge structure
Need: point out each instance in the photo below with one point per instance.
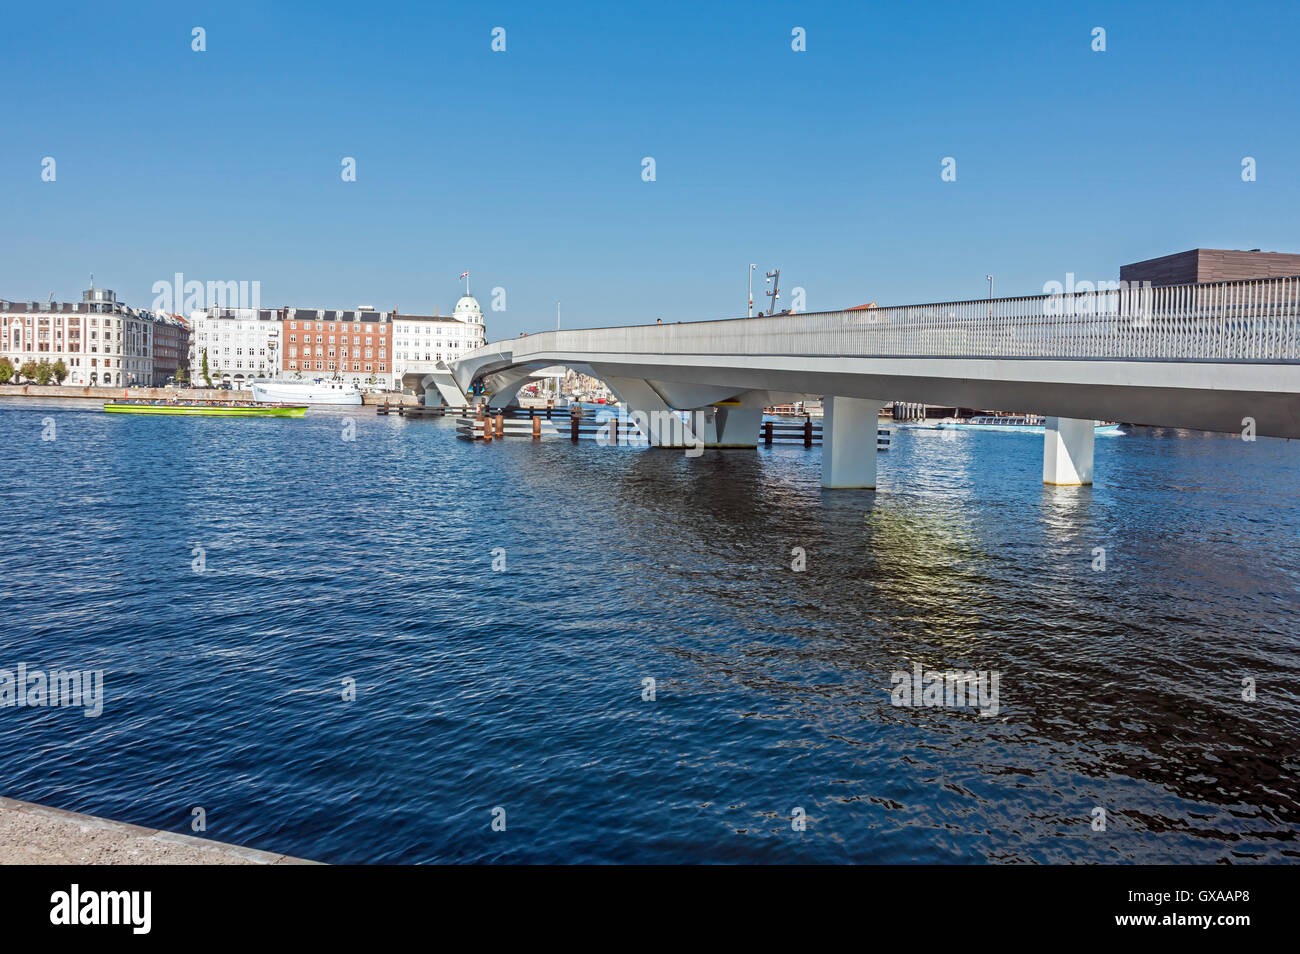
(1215, 356)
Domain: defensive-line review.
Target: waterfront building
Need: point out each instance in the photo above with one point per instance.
(100, 340)
(241, 344)
(355, 345)
(171, 348)
(421, 341)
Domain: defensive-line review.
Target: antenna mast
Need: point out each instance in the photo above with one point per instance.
(774, 277)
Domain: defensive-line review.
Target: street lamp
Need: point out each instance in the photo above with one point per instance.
(751, 290)
(990, 279)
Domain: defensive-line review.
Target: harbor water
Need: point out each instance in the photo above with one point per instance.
(355, 638)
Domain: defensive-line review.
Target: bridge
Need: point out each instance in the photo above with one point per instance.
(1216, 356)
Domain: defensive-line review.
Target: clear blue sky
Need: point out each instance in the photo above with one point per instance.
(525, 166)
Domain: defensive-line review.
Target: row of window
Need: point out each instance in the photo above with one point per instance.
(343, 339)
(343, 353)
(307, 326)
(321, 366)
(94, 322)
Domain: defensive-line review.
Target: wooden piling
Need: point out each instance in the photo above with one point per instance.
(807, 431)
(537, 428)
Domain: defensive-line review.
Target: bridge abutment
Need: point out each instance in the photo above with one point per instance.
(1067, 451)
(849, 443)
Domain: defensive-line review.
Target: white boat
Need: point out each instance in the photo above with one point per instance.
(1018, 424)
(319, 391)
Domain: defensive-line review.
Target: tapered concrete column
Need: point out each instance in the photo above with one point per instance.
(849, 443)
(734, 424)
(1067, 451)
(648, 412)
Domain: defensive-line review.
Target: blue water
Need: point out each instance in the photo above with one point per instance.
(371, 559)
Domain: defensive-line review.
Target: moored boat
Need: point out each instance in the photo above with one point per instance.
(1018, 424)
(319, 391)
(206, 408)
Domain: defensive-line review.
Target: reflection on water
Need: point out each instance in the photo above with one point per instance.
(1120, 689)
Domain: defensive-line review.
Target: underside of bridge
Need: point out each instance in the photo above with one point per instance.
(727, 393)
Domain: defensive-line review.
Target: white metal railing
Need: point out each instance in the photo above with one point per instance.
(1223, 321)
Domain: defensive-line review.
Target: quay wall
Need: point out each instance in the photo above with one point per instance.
(101, 394)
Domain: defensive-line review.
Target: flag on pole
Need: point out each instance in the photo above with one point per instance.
(464, 274)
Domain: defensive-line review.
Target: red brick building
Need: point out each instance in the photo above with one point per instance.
(354, 345)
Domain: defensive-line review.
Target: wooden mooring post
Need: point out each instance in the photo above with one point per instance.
(807, 431)
(767, 433)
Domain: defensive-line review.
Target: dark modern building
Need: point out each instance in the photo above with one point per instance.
(171, 347)
(1211, 265)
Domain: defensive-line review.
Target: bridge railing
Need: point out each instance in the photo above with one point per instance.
(1223, 321)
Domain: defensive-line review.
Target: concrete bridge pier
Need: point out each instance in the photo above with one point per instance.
(1067, 452)
(849, 443)
(734, 423)
(649, 412)
(440, 388)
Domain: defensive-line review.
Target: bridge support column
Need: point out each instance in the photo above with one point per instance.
(849, 443)
(440, 388)
(1067, 452)
(732, 424)
(658, 423)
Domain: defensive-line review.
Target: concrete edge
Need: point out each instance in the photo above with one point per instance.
(253, 855)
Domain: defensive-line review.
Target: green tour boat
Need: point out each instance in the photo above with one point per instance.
(207, 408)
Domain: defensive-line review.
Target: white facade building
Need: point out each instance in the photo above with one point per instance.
(99, 340)
(241, 344)
(420, 341)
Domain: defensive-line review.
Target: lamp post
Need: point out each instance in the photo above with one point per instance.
(990, 279)
(751, 290)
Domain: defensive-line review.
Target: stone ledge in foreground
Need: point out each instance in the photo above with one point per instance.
(32, 834)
